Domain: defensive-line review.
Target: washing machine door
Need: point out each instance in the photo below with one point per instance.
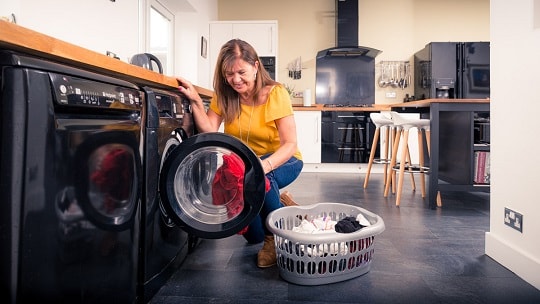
(107, 179)
(212, 185)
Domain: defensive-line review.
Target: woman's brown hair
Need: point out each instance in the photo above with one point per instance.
(227, 97)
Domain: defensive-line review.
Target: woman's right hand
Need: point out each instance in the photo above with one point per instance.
(188, 90)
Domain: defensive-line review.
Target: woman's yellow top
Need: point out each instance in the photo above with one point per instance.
(256, 125)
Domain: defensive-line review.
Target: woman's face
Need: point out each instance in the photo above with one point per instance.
(241, 76)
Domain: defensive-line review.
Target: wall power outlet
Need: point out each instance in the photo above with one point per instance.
(390, 94)
(513, 219)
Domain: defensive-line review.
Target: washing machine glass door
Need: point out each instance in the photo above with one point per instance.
(212, 185)
(107, 179)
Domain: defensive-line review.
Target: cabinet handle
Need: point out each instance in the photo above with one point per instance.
(350, 116)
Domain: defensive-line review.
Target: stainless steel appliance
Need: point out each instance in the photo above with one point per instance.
(70, 183)
(345, 74)
(452, 70)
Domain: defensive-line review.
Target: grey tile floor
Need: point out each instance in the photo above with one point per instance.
(423, 256)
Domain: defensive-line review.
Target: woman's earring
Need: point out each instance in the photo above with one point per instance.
(255, 75)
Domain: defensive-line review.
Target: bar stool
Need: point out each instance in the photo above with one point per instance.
(403, 125)
(384, 121)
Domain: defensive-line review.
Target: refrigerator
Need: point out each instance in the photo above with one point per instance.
(452, 70)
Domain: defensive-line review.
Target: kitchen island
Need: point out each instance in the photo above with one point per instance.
(452, 144)
(452, 147)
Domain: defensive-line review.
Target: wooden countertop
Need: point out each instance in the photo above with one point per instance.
(427, 102)
(387, 107)
(321, 107)
(17, 38)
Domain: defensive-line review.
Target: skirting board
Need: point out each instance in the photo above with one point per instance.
(524, 266)
(342, 168)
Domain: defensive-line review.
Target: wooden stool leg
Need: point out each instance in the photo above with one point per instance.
(372, 155)
(392, 161)
(391, 170)
(385, 151)
(428, 141)
(402, 165)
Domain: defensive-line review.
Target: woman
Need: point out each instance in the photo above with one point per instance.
(258, 111)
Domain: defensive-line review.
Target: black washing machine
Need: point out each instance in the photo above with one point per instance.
(70, 183)
(199, 186)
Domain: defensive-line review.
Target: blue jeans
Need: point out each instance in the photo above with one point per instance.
(279, 178)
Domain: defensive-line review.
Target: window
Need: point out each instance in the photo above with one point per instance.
(160, 35)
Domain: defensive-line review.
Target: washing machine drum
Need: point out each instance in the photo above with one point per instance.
(212, 185)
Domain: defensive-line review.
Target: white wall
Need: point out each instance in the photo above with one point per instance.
(99, 25)
(9, 8)
(515, 106)
(103, 25)
(190, 27)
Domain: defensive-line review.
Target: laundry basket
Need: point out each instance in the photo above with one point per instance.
(316, 259)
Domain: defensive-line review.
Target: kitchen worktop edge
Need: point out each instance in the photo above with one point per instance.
(387, 107)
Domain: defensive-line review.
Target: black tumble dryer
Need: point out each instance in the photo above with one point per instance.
(70, 183)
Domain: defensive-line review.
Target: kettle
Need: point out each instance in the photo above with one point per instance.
(145, 60)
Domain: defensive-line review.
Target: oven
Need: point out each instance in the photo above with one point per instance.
(346, 137)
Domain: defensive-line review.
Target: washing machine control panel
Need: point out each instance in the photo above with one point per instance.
(172, 105)
(75, 91)
(166, 105)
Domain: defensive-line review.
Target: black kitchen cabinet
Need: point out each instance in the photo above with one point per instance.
(464, 139)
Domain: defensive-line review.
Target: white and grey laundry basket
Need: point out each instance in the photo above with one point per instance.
(316, 259)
